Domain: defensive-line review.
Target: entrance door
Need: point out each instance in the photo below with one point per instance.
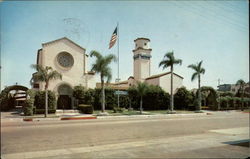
(64, 102)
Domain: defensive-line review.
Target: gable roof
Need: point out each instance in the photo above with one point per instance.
(64, 38)
(162, 74)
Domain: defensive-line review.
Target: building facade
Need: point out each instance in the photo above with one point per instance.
(142, 70)
(69, 59)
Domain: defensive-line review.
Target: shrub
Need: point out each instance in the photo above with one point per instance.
(42, 111)
(155, 98)
(29, 103)
(79, 93)
(118, 110)
(86, 109)
(183, 99)
(89, 96)
(6, 101)
(110, 100)
(40, 100)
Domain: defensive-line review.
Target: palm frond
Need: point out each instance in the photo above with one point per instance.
(107, 73)
(202, 71)
(193, 66)
(96, 54)
(142, 88)
(39, 77)
(169, 55)
(162, 63)
(177, 61)
(194, 76)
(199, 65)
(198, 70)
(54, 75)
(39, 68)
(109, 58)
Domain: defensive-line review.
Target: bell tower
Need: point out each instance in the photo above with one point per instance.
(142, 55)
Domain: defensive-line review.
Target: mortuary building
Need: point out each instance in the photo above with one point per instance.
(69, 59)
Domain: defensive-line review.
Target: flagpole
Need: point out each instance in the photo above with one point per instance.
(118, 97)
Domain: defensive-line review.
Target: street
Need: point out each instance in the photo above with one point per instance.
(168, 136)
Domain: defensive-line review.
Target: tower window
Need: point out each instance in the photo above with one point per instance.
(145, 44)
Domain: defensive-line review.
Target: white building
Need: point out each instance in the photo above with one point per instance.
(69, 59)
(142, 70)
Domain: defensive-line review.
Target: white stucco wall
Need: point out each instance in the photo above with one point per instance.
(145, 68)
(141, 43)
(91, 81)
(153, 81)
(165, 82)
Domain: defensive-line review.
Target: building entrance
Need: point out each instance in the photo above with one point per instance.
(64, 100)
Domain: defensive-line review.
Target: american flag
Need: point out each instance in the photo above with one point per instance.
(113, 39)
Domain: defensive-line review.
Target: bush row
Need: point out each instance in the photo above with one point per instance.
(35, 103)
(154, 99)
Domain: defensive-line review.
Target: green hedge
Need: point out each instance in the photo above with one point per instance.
(29, 103)
(184, 99)
(155, 98)
(40, 100)
(7, 102)
(86, 109)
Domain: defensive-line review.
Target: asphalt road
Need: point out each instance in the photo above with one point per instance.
(163, 137)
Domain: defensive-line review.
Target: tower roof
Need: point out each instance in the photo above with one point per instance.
(141, 39)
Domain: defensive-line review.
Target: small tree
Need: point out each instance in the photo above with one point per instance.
(241, 83)
(169, 61)
(183, 98)
(198, 71)
(101, 66)
(78, 93)
(141, 90)
(45, 74)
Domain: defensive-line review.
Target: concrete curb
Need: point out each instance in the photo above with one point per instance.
(86, 117)
(78, 117)
(150, 116)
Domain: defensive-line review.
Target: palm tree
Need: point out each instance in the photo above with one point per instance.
(169, 61)
(198, 71)
(241, 83)
(45, 74)
(101, 66)
(141, 90)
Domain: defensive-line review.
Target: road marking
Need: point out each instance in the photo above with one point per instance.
(233, 131)
(174, 144)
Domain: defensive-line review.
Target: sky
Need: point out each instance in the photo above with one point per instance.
(216, 32)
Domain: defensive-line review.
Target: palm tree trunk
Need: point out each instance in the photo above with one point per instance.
(199, 93)
(103, 96)
(171, 93)
(141, 106)
(46, 103)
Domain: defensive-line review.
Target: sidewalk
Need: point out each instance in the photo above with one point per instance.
(12, 116)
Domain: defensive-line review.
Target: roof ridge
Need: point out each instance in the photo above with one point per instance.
(50, 42)
(162, 74)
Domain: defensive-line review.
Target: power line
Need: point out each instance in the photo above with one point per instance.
(208, 17)
(213, 14)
